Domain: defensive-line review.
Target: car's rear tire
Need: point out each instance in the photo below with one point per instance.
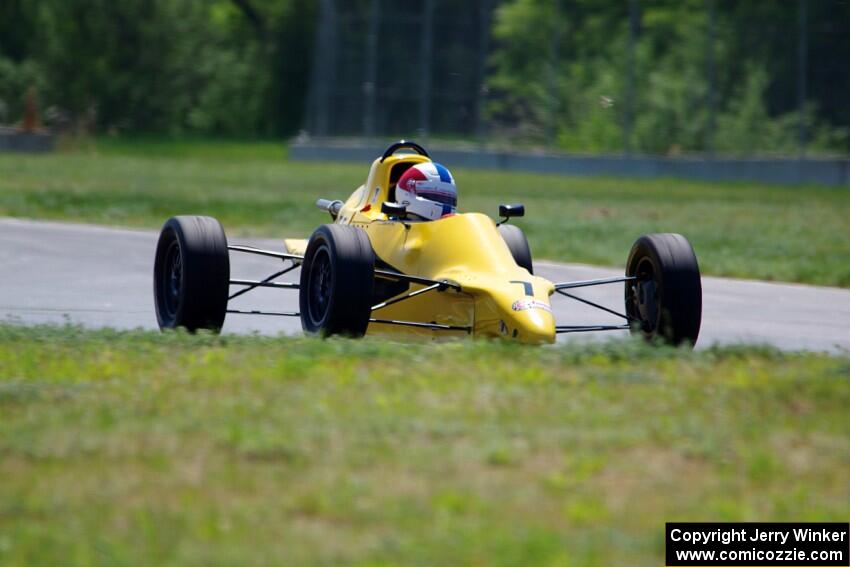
(517, 243)
(337, 282)
(665, 302)
(191, 274)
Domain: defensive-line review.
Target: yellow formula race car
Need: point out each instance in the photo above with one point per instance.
(377, 268)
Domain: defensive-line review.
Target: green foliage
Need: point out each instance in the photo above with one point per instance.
(561, 71)
(746, 126)
(592, 121)
(15, 79)
(126, 65)
(232, 101)
(671, 112)
(140, 448)
(165, 66)
(524, 99)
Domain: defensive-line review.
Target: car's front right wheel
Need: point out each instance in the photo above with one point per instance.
(517, 243)
(664, 301)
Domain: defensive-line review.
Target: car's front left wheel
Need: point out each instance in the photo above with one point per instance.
(191, 274)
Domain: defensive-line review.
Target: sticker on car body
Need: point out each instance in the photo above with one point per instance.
(526, 304)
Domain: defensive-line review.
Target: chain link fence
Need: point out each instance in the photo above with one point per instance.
(399, 68)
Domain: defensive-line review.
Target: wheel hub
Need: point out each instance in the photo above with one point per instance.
(645, 296)
(173, 278)
(321, 282)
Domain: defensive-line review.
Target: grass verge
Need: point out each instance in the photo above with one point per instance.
(141, 448)
(742, 230)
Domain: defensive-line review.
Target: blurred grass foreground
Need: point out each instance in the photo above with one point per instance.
(141, 448)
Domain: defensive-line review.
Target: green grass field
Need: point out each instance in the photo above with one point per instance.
(140, 448)
(783, 233)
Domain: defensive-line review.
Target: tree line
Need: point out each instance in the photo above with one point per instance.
(210, 67)
(659, 76)
(664, 76)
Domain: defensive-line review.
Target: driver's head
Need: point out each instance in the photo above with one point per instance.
(428, 191)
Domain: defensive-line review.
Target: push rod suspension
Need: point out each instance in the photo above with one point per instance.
(433, 326)
(585, 328)
(414, 279)
(587, 283)
(263, 283)
(592, 304)
(408, 296)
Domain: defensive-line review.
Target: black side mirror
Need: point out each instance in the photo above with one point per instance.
(510, 211)
(393, 209)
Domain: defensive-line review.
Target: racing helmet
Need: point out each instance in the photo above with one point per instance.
(428, 191)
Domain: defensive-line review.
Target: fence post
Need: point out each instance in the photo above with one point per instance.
(370, 86)
(427, 42)
(712, 77)
(324, 63)
(634, 18)
(554, 65)
(484, 9)
(802, 72)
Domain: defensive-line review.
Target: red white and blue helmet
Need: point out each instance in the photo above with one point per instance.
(428, 191)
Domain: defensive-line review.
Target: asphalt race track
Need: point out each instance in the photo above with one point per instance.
(102, 277)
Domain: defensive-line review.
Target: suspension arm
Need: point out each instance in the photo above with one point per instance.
(266, 282)
(587, 283)
(432, 326)
(596, 305)
(408, 296)
(415, 279)
(275, 313)
(261, 252)
(586, 328)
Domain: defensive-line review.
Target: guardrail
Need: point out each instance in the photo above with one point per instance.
(803, 171)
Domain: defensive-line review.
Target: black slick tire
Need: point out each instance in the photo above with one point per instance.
(337, 282)
(665, 301)
(191, 274)
(517, 243)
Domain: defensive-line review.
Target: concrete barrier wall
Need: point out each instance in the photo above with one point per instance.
(833, 172)
(12, 140)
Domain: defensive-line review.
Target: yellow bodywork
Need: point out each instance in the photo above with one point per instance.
(498, 297)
